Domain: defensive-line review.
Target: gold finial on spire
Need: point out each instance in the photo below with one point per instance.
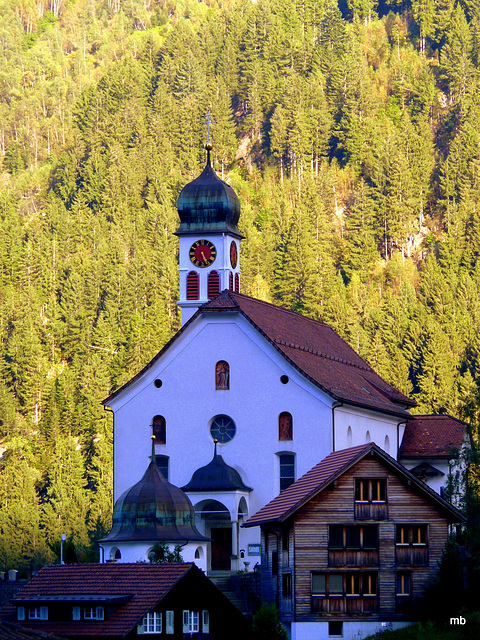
(153, 448)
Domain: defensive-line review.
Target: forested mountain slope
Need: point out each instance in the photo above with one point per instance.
(351, 135)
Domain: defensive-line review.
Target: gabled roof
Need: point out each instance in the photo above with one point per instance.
(432, 437)
(326, 472)
(147, 584)
(11, 631)
(312, 347)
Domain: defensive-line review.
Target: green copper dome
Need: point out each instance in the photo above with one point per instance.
(208, 204)
(153, 509)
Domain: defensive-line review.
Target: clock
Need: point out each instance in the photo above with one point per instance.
(233, 254)
(222, 429)
(203, 253)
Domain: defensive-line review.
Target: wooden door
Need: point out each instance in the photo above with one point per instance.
(221, 548)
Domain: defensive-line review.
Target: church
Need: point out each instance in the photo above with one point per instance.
(244, 400)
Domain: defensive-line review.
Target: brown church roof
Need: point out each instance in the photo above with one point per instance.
(432, 436)
(147, 584)
(313, 348)
(323, 474)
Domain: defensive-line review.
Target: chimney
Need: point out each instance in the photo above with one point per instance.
(12, 575)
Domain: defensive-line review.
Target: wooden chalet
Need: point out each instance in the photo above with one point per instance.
(351, 544)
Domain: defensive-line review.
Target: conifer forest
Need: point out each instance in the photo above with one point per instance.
(350, 132)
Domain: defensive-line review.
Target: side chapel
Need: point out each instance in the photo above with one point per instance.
(245, 399)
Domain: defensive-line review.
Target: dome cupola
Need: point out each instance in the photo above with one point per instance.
(217, 475)
(208, 205)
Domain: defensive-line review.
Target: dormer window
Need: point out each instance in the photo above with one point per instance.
(38, 613)
(152, 622)
(93, 613)
(222, 376)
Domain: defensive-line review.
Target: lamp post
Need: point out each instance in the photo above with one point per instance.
(64, 537)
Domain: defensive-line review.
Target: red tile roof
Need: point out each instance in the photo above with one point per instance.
(324, 473)
(313, 348)
(432, 436)
(11, 631)
(146, 583)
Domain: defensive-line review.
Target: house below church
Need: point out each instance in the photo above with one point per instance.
(349, 547)
(120, 601)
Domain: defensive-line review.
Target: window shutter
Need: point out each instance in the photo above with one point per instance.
(169, 622)
(186, 624)
(20, 613)
(76, 613)
(43, 613)
(99, 613)
(205, 621)
(141, 627)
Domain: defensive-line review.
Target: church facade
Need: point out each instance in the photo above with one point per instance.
(247, 397)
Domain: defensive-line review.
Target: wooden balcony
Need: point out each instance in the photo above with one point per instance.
(353, 557)
(408, 555)
(371, 510)
(345, 604)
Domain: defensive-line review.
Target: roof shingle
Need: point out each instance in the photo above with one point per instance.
(432, 436)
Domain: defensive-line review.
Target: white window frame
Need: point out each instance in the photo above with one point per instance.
(93, 613)
(191, 621)
(152, 622)
(38, 613)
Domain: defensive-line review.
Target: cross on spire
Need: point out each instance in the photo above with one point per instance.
(209, 119)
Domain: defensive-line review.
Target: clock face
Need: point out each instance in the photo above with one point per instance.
(223, 429)
(233, 255)
(203, 253)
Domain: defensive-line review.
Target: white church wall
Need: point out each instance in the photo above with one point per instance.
(188, 400)
(355, 426)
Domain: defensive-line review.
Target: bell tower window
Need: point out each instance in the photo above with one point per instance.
(230, 281)
(213, 284)
(237, 283)
(192, 286)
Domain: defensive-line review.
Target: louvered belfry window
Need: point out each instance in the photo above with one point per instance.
(213, 284)
(192, 286)
(230, 281)
(237, 283)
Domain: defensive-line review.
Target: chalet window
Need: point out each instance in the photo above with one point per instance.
(411, 546)
(287, 470)
(192, 286)
(371, 490)
(411, 535)
(93, 613)
(169, 622)
(152, 622)
(222, 376)
(287, 585)
(159, 426)
(344, 584)
(38, 613)
(404, 584)
(285, 426)
(353, 537)
(213, 284)
(190, 621)
(162, 465)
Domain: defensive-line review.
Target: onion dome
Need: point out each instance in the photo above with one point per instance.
(208, 204)
(153, 509)
(217, 475)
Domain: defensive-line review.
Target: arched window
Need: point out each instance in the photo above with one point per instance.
(387, 445)
(213, 288)
(230, 281)
(222, 376)
(287, 470)
(162, 465)
(192, 286)
(159, 429)
(237, 283)
(349, 437)
(285, 426)
(115, 554)
(368, 437)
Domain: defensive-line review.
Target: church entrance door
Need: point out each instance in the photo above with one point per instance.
(221, 548)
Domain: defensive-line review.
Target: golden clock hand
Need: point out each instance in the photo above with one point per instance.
(203, 256)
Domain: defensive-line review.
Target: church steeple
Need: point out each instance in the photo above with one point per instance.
(209, 210)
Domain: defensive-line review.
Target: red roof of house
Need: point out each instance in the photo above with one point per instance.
(323, 474)
(146, 583)
(432, 436)
(313, 348)
(11, 631)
